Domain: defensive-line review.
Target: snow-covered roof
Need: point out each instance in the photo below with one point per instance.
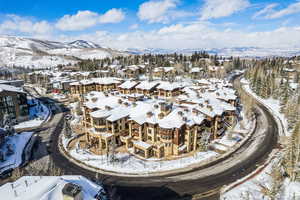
(164, 85)
(46, 187)
(215, 68)
(289, 70)
(195, 69)
(101, 81)
(165, 69)
(179, 116)
(133, 67)
(128, 84)
(119, 113)
(142, 144)
(147, 85)
(10, 88)
(202, 81)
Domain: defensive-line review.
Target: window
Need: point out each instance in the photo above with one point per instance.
(23, 110)
(7, 106)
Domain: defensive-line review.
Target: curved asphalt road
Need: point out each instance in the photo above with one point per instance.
(183, 186)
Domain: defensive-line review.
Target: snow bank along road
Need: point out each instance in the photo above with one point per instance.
(195, 184)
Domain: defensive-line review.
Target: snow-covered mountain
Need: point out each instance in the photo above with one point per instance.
(35, 53)
(83, 44)
(237, 51)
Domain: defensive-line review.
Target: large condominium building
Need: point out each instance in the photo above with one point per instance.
(150, 126)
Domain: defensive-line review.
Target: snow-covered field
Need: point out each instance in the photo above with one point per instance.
(46, 188)
(82, 53)
(128, 163)
(18, 143)
(33, 61)
(37, 115)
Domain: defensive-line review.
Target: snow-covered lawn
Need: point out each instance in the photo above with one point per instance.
(252, 191)
(128, 163)
(46, 188)
(37, 115)
(18, 143)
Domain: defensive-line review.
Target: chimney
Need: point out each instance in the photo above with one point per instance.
(184, 119)
(161, 115)
(94, 99)
(149, 114)
(195, 111)
(180, 113)
(108, 108)
(210, 107)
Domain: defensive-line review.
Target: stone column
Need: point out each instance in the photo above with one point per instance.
(130, 131)
(140, 133)
(112, 128)
(189, 141)
(195, 139)
(216, 128)
(100, 143)
(146, 153)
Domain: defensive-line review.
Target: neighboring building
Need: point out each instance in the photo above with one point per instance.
(133, 71)
(163, 71)
(13, 102)
(167, 89)
(95, 84)
(128, 87)
(195, 72)
(290, 73)
(52, 188)
(147, 87)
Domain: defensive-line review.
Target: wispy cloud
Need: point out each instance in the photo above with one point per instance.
(222, 8)
(270, 13)
(265, 11)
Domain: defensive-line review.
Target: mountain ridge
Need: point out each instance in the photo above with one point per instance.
(37, 53)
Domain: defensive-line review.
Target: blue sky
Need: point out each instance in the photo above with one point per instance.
(157, 23)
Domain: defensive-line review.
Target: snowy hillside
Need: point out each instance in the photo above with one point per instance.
(34, 53)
